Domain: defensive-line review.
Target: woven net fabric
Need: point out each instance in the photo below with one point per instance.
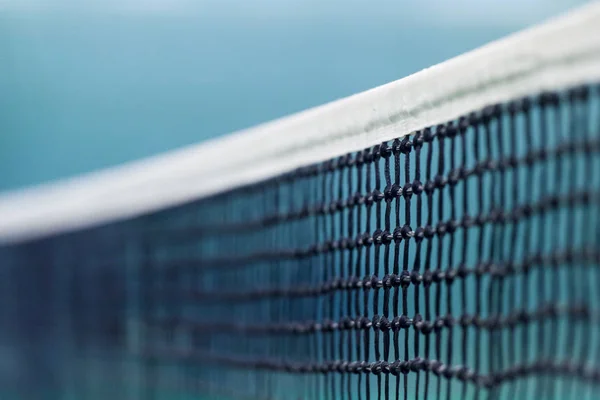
(461, 261)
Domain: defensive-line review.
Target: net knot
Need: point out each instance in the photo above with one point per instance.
(325, 166)
(419, 234)
(513, 108)
(397, 234)
(406, 232)
(358, 199)
(450, 275)
(579, 93)
(367, 156)
(376, 282)
(415, 277)
(549, 98)
(377, 195)
(449, 321)
(363, 366)
(338, 205)
(416, 364)
(480, 220)
(366, 240)
(439, 323)
(418, 140)
(387, 193)
(463, 124)
(439, 369)
(346, 244)
(465, 374)
(478, 322)
(354, 367)
(427, 278)
(425, 327)
(349, 160)
(433, 365)
(405, 145)
(473, 118)
(359, 158)
(465, 320)
(407, 191)
(440, 131)
(401, 322)
(427, 135)
(378, 237)
(323, 368)
(429, 187)
(586, 198)
(387, 281)
(396, 147)
(376, 152)
(395, 368)
(482, 268)
(366, 283)
(417, 322)
(404, 367)
(342, 162)
(498, 216)
(384, 324)
(386, 237)
(451, 130)
(467, 221)
(404, 279)
(451, 372)
(440, 181)
(354, 282)
(375, 322)
(462, 271)
(340, 366)
(454, 177)
(364, 323)
(487, 114)
(417, 187)
(385, 150)
(377, 367)
(452, 226)
(327, 326)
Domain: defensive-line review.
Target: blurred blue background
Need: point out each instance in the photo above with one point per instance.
(90, 84)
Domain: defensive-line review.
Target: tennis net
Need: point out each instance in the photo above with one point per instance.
(436, 237)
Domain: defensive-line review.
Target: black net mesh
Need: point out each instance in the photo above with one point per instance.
(457, 262)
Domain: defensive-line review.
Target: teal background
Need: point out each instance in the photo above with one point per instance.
(90, 84)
